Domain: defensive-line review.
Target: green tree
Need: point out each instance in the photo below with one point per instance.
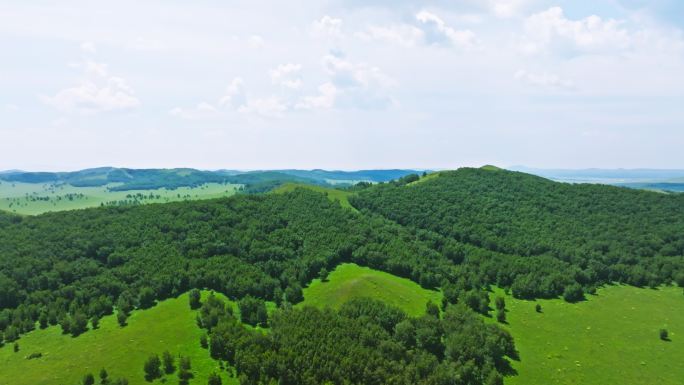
(253, 311)
(501, 315)
(500, 303)
(194, 297)
(664, 335)
(104, 376)
(152, 367)
(538, 308)
(405, 333)
(184, 373)
(88, 379)
(294, 294)
(214, 379)
(323, 274)
(204, 343)
(146, 298)
(432, 309)
(79, 324)
(43, 319)
(16, 347)
(573, 293)
(121, 318)
(169, 365)
(95, 321)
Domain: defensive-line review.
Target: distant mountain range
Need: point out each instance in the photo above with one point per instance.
(141, 179)
(648, 179)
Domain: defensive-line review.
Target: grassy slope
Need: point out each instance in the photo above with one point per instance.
(348, 281)
(170, 325)
(333, 194)
(94, 196)
(611, 338)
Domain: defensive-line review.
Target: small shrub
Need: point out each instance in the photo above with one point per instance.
(664, 335)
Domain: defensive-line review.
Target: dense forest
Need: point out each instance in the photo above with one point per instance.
(365, 342)
(541, 231)
(457, 231)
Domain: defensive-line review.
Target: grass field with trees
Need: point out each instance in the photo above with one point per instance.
(38, 198)
(612, 337)
(170, 326)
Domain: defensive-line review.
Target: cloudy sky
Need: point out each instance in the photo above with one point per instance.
(341, 84)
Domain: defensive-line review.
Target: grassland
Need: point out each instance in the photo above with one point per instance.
(612, 338)
(37, 198)
(332, 194)
(349, 281)
(170, 325)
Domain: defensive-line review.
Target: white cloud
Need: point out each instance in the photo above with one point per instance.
(88, 47)
(270, 107)
(402, 34)
(202, 110)
(551, 29)
(235, 95)
(11, 107)
(545, 80)
(437, 32)
(355, 85)
(287, 75)
(507, 8)
(327, 93)
(346, 74)
(256, 41)
(97, 91)
(327, 27)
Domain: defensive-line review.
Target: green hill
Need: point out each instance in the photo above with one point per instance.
(349, 281)
(122, 351)
(592, 234)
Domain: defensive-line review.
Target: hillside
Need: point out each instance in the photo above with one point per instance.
(598, 229)
(122, 351)
(448, 237)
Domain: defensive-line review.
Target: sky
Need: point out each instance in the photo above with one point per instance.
(341, 84)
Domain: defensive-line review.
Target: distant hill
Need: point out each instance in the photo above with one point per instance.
(144, 179)
(645, 179)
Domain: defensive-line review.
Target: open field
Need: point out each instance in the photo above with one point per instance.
(37, 198)
(333, 194)
(349, 281)
(170, 325)
(612, 338)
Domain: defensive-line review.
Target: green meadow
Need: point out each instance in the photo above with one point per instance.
(349, 281)
(611, 338)
(38, 198)
(332, 194)
(122, 351)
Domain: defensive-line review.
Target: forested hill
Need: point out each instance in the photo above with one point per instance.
(605, 230)
(126, 179)
(68, 267)
(459, 231)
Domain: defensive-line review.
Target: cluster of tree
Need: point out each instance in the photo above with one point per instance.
(541, 238)
(155, 367)
(76, 265)
(89, 379)
(365, 342)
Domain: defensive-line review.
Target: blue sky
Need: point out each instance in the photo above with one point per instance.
(342, 84)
